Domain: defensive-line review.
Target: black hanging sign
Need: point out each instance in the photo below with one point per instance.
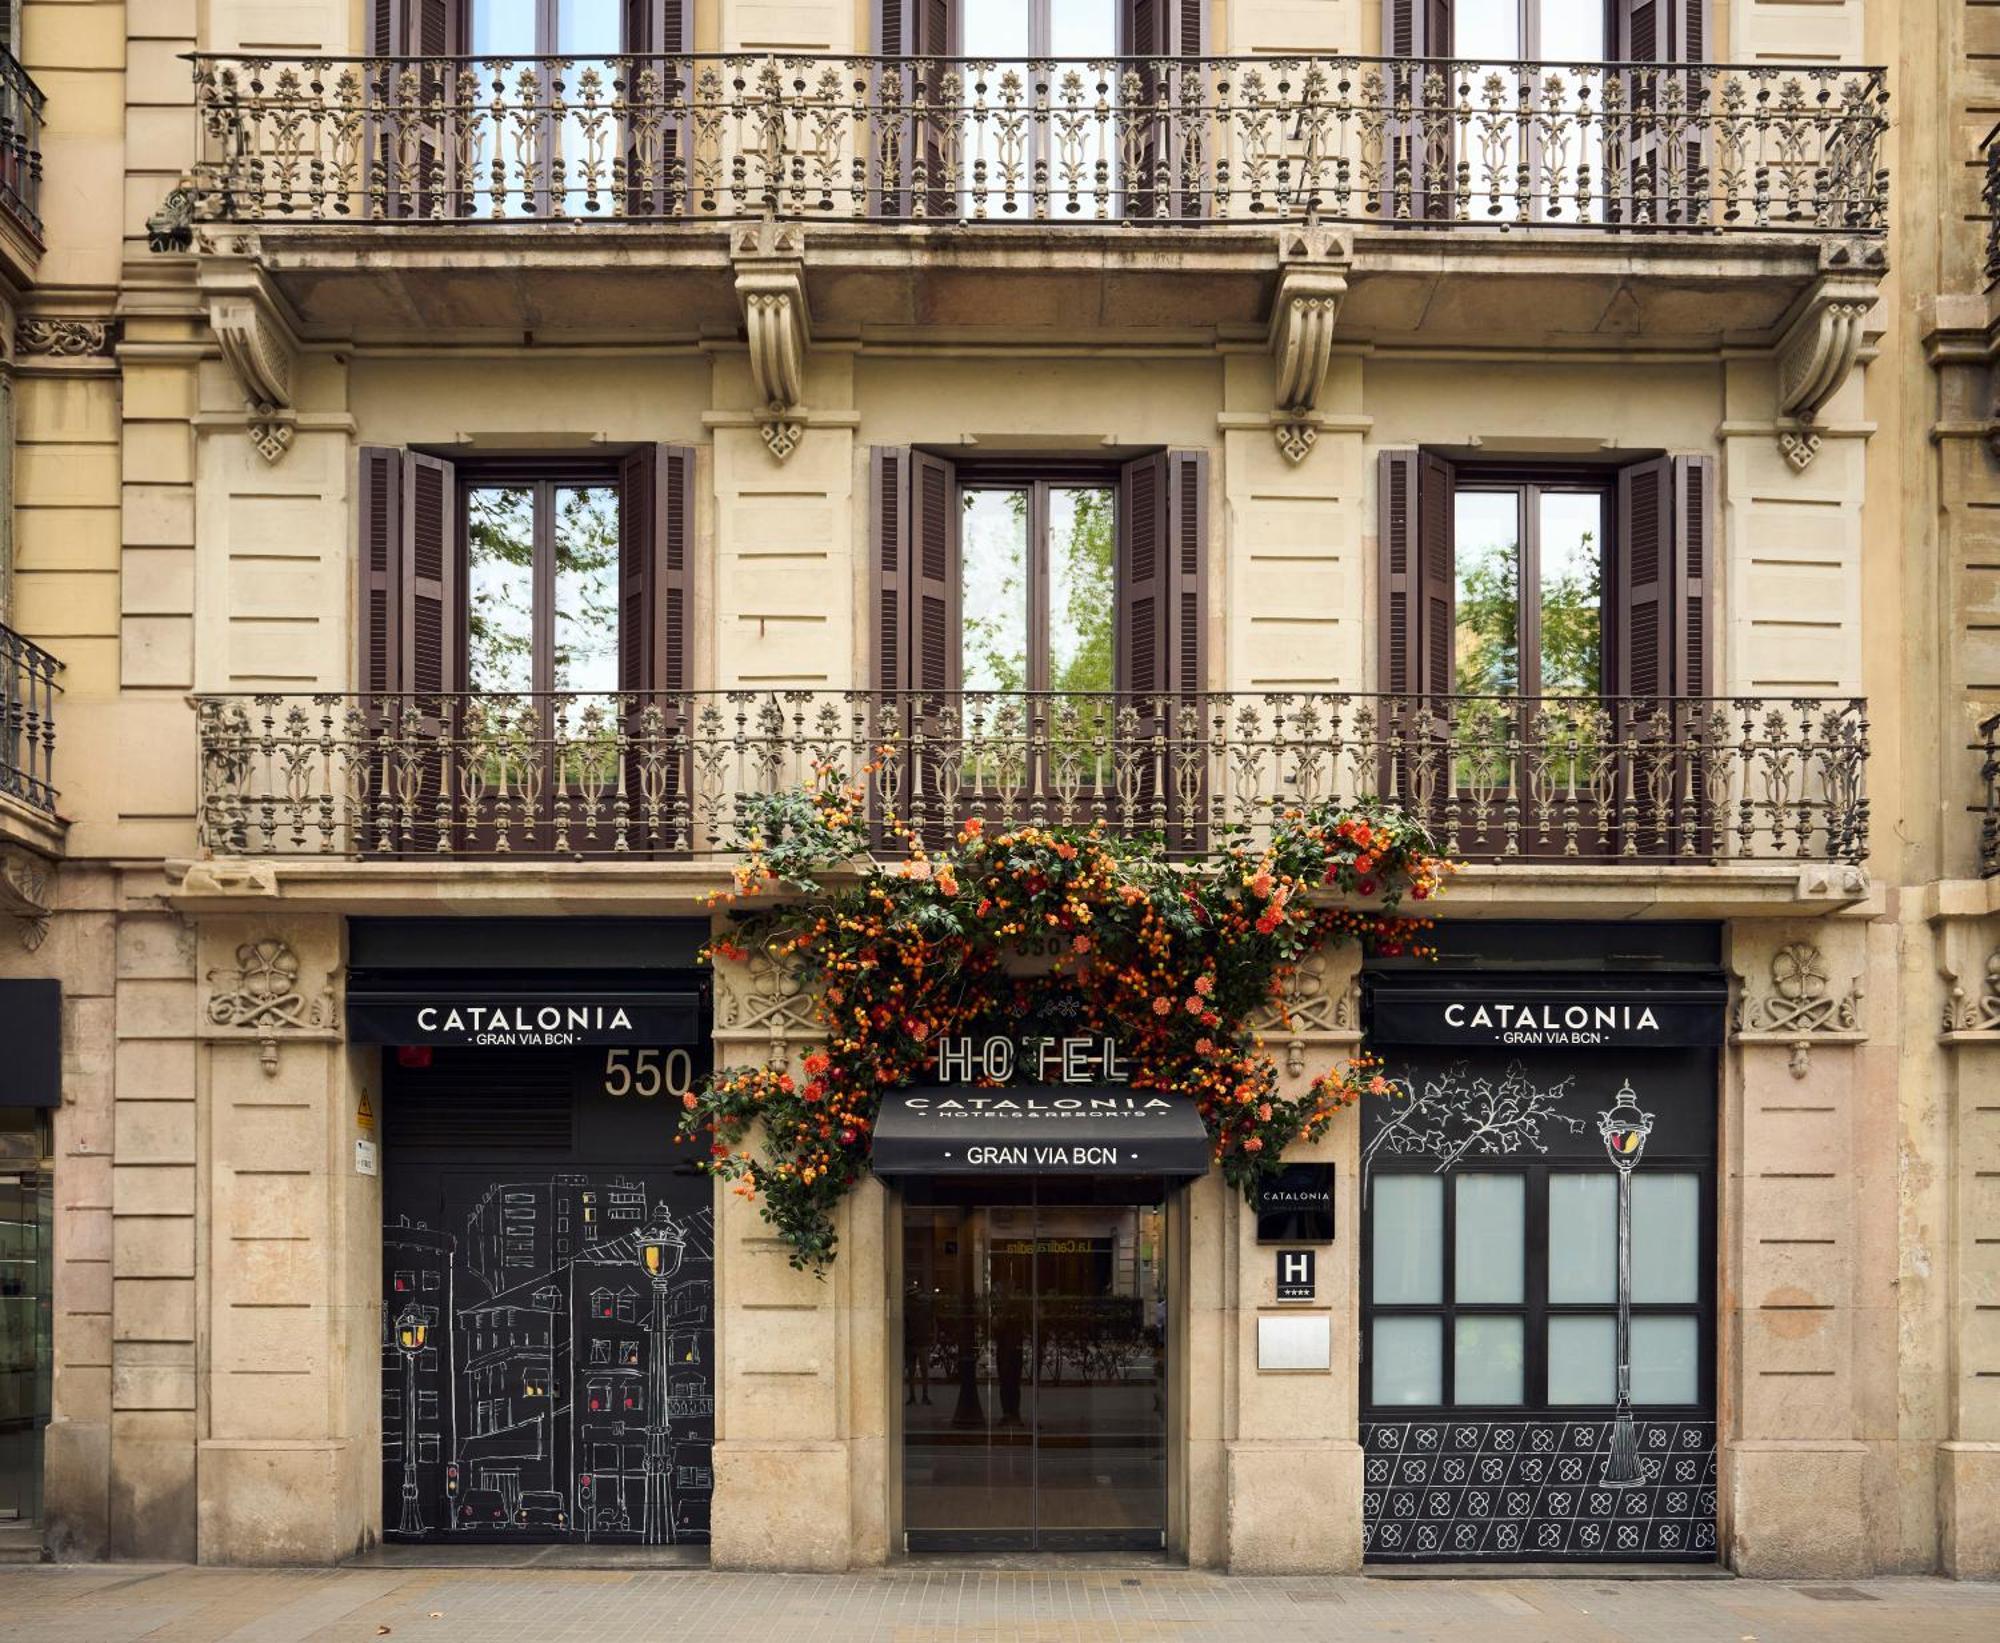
(1672, 1015)
(524, 1020)
(1296, 1206)
(1039, 1129)
(31, 1031)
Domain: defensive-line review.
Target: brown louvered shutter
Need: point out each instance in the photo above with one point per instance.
(1414, 509)
(429, 576)
(659, 36)
(1142, 648)
(1643, 577)
(1694, 529)
(655, 536)
(379, 618)
(1396, 537)
(1187, 536)
(1416, 28)
(1437, 578)
(1173, 173)
(916, 28)
(933, 663)
(888, 503)
(1419, 146)
(1658, 31)
(1666, 179)
(415, 29)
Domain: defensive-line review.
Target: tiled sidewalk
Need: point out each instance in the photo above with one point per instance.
(120, 1603)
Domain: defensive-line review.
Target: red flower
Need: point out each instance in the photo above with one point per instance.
(1162, 1005)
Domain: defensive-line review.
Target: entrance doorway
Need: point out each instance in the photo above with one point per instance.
(1035, 1364)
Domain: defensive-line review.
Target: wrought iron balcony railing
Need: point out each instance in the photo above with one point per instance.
(27, 721)
(21, 104)
(1500, 779)
(1761, 147)
(1989, 783)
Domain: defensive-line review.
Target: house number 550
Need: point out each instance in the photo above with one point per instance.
(647, 1072)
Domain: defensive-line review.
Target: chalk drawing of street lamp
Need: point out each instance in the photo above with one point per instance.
(412, 1331)
(1624, 1128)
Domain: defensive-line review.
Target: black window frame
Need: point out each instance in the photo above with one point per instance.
(1535, 1308)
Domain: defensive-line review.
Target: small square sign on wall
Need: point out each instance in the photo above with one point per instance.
(1297, 1274)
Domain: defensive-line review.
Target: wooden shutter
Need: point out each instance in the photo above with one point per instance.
(933, 659)
(429, 587)
(1142, 646)
(380, 616)
(1172, 173)
(416, 28)
(916, 28)
(1656, 31)
(1396, 537)
(407, 29)
(1645, 582)
(1437, 578)
(1694, 531)
(888, 505)
(1162, 28)
(1187, 541)
(658, 37)
(1416, 28)
(655, 536)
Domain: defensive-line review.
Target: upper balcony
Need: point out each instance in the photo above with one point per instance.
(1724, 794)
(28, 691)
(1709, 196)
(21, 104)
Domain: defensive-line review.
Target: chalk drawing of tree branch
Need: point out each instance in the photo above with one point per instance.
(1454, 1115)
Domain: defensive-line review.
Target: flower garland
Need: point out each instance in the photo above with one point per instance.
(1172, 957)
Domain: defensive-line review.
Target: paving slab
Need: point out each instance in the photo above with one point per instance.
(477, 1602)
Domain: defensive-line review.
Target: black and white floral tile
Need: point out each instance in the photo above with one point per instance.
(1459, 1490)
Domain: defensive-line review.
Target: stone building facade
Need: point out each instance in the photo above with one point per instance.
(455, 458)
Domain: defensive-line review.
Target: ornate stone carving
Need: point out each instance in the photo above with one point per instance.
(1312, 281)
(263, 996)
(65, 338)
(769, 259)
(27, 887)
(1965, 1014)
(761, 997)
(259, 348)
(1818, 349)
(1801, 1005)
(171, 228)
(1315, 1004)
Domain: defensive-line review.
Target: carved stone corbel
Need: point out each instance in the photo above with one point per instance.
(258, 345)
(1312, 282)
(1800, 1006)
(1972, 1004)
(1818, 348)
(27, 891)
(769, 259)
(262, 996)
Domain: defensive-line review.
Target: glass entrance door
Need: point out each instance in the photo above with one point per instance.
(25, 1358)
(1034, 1365)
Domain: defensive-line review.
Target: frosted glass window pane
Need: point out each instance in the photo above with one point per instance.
(1490, 1238)
(1487, 1359)
(1666, 1238)
(1664, 1366)
(1583, 1238)
(1409, 1360)
(1583, 1360)
(1409, 1239)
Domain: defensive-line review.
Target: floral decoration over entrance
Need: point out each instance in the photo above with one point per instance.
(1173, 957)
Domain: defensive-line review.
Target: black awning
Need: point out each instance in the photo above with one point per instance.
(523, 1018)
(1040, 1129)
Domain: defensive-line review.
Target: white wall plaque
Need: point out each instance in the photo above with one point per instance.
(364, 1157)
(1299, 1341)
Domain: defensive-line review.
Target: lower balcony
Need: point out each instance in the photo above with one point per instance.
(31, 831)
(669, 776)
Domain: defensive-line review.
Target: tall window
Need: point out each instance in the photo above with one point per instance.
(1037, 601)
(1529, 584)
(542, 584)
(1498, 1287)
